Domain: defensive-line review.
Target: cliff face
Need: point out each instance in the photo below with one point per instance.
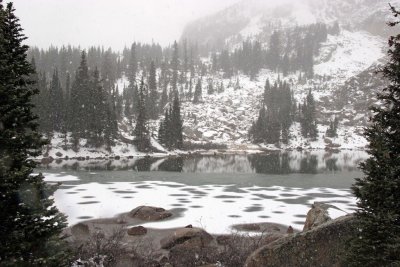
(322, 246)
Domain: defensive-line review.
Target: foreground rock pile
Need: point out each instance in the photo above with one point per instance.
(321, 243)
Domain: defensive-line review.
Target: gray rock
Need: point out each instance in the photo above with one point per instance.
(137, 230)
(317, 216)
(80, 230)
(147, 213)
(324, 245)
(187, 237)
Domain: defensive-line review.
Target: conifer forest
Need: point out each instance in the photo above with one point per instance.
(186, 133)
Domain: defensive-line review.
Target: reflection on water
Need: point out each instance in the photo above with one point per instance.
(272, 163)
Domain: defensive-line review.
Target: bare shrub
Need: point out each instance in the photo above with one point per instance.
(112, 250)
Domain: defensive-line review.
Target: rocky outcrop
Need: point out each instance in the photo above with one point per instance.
(317, 215)
(137, 230)
(322, 246)
(190, 247)
(147, 213)
(80, 230)
(187, 237)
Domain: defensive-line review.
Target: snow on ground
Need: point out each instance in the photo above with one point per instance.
(276, 204)
(349, 54)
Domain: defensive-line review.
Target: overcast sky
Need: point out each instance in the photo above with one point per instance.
(113, 23)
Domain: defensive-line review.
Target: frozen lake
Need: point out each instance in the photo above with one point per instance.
(213, 192)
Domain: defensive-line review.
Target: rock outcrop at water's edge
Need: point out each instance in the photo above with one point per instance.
(321, 246)
(317, 215)
(148, 213)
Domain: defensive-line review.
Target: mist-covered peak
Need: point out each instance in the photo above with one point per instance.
(249, 18)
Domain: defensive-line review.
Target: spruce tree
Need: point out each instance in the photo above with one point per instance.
(308, 117)
(153, 94)
(31, 225)
(176, 124)
(80, 102)
(141, 132)
(56, 102)
(377, 233)
(197, 92)
(175, 66)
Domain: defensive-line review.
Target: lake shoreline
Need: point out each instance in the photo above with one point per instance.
(83, 156)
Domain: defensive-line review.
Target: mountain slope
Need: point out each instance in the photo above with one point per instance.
(251, 17)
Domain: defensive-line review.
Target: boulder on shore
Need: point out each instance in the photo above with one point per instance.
(324, 245)
(80, 230)
(187, 237)
(137, 230)
(147, 213)
(317, 215)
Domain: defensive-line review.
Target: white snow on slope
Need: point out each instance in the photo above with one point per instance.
(350, 53)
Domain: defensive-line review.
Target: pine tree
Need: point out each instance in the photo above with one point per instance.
(197, 92)
(210, 88)
(258, 130)
(175, 66)
(376, 239)
(274, 50)
(98, 109)
(332, 129)
(141, 132)
(153, 94)
(80, 102)
(164, 98)
(308, 117)
(56, 102)
(176, 124)
(67, 109)
(161, 132)
(30, 223)
(132, 68)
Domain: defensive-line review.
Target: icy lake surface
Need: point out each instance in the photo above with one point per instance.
(213, 192)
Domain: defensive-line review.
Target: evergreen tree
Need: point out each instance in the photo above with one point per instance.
(210, 88)
(258, 130)
(133, 66)
(153, 94)
(161, 131)
(197, 92)
(56, 103)
(332, 129)
(30, 223)
(141, 132)
(135, 101)
(175, 66)
(80, 102)
(67, 107)
(274, 50)
(308, 117)
(164, 98)
(377, 232)
(98, 111)
(176, 124)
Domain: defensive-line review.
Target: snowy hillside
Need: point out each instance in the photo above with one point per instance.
(226, 117)
(251, 18)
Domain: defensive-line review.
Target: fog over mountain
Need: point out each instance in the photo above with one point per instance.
(254, 17)
(109, 23)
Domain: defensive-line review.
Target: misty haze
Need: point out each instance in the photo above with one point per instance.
(199, 133)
